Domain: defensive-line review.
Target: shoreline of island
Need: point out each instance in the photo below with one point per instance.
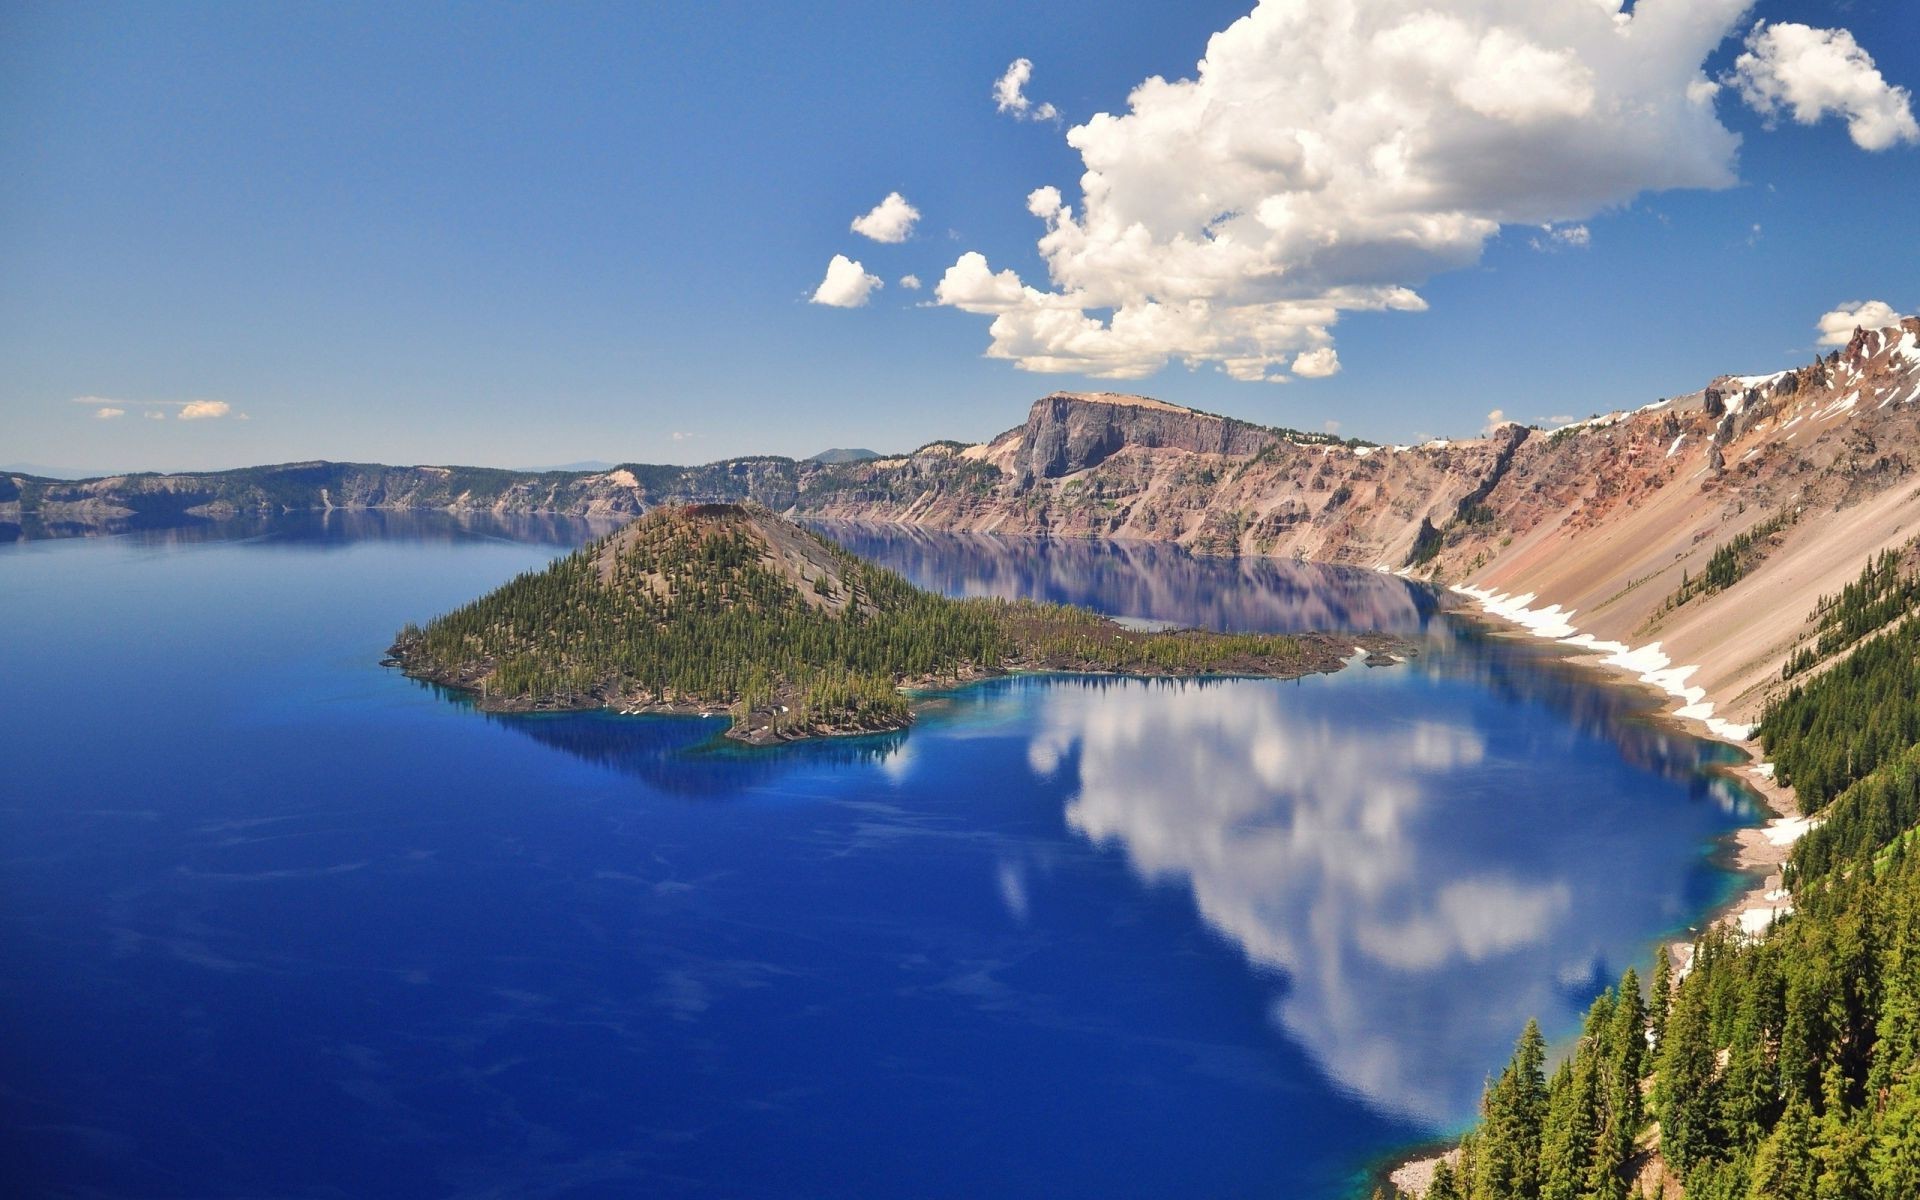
(1313, 653)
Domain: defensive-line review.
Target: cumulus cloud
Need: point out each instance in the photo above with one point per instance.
(847, 284)
(1317, 364)
(154, 414)
(1010, 94)
(1328, 158)
(891, 220)
(910, 282)
(1813, 73)
(1836, 327)
(107, 412)
(204, 410)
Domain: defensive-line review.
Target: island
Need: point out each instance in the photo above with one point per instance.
(731, 608)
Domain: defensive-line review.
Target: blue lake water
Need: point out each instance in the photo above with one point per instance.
(279, 922)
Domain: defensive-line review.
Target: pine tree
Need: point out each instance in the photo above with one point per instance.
(1684, 1092)
(1784, 1167)
(1662, 997)
(1895, 1167)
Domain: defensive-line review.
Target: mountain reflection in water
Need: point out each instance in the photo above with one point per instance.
(1145, 579)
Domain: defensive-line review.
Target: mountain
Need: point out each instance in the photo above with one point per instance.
(1606, 530)
(842, 454)
(730, 608)
(1607, 526)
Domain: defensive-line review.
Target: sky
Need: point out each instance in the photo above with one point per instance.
(534, 235)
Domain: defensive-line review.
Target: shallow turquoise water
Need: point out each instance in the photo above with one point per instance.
(279, 922)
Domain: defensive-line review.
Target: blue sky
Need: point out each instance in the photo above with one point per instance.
(533, 235)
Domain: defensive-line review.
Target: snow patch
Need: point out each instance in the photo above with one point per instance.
(1756, 921)
(1677, 443)
(1787, 830)
(1649, 662)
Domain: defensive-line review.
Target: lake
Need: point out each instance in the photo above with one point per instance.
(280, 922)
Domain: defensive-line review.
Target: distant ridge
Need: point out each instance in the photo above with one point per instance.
(842, 454)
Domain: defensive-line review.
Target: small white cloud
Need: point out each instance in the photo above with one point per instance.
(1813, 73)
(683, 436)
(891, 220)
(107, 412)
(204, 410)
(1563, 237)
(1495, 420)
(1836, 327)
(1010, 94)
(154, 414)
(847, 284)
(1316, 364)
(910, 282)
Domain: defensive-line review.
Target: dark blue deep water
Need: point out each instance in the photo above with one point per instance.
(277, 922)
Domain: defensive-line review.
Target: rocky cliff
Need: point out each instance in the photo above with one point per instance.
(1603, 525)
(1073, 431)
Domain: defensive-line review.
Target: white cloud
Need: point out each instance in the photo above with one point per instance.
(910, 282)
(1328, 158)
(1812, 73)
(1495, 420)
(890, 221)
(156, 410)
(1562, 237)
(1317, 364)
(681, 435)
(204, 410)
(1836, 327)
(847, 284)
(1010, 94)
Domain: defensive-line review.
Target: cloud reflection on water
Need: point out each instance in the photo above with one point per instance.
(1309, 840)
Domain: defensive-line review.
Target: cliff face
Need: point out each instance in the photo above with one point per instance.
(1101, 466)
(1073, 431)
(1604, 519)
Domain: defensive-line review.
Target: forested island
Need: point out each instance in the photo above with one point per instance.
(729, 608)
